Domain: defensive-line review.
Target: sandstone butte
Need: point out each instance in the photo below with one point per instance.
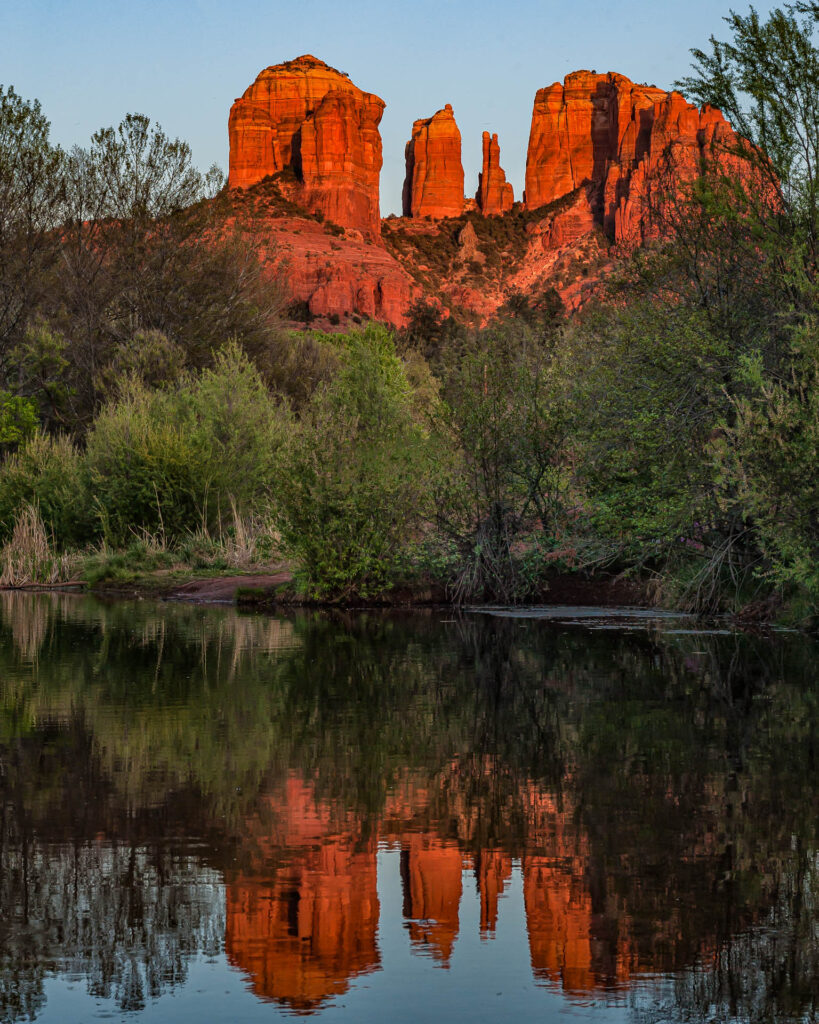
(494, 195)
(434, 185)
(306, 118)
(607, 146)
(620, 138)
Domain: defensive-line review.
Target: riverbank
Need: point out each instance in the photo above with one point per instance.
(267, 588)
(270, 586)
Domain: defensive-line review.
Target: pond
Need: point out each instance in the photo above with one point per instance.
(433, 815)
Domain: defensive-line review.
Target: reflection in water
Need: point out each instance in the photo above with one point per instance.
(303, 928)
(180, 782)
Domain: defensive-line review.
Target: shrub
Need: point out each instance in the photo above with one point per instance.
(170, 461)
(47, 472)
(353, 473)
(29, 556)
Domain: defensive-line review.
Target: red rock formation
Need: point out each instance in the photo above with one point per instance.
(308, 119)
(335, 274)
(620, 138)
(494, 194)
(570, 223)
(434, 185)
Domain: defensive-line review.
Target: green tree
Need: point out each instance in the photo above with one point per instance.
(765, 79)
(352, 483)
(503, 421)
(30, 194)
(773, 456)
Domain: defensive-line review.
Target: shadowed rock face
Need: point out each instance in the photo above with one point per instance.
(308, 119)
(608, 131)
(434, 185)
(494, 194)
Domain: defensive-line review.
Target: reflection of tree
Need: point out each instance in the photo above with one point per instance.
(127, 918)
(659, 790)
(125, 913)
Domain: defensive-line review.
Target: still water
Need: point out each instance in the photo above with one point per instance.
(433, 816)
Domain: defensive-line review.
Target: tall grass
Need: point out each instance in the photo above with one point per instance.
(29, 557)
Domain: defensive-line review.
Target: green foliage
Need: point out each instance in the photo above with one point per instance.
(353, 474)
(649, 397)
(774, 458)
(47, 472)
(764, 79)
(169, 461)
(149, 356)
(503, 427)
(429, 331)
(18, 419)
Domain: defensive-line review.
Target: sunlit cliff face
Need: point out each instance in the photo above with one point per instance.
(607, 161)
(309, 120)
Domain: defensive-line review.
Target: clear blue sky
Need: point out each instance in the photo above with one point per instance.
(182, 62)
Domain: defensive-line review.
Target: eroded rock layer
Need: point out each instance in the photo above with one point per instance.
(308, 123)
(494, 194)
(434, 185)
(620, 137)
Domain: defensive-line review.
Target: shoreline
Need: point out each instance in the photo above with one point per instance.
(265, 590)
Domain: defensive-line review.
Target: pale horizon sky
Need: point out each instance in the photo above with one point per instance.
(183, 62)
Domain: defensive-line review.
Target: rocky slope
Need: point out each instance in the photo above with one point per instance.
(305, 158)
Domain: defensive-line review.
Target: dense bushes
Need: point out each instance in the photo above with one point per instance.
(164, 460)
(175, 459)
(49, 473)
(353, 484)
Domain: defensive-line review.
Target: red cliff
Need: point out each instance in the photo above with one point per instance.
(619, 137)
(309, 121)
(494, 194)
(434, 185)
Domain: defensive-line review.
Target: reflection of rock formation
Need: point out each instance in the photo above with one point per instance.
(303, 929)
(431, 875)
(302, 937)
(558, 918)
(302, 914)
(493, 869)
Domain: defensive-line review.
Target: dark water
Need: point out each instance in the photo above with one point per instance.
(212, 817)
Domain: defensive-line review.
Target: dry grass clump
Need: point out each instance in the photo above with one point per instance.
(29, 557)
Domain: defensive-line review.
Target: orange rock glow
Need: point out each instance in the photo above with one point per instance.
(494, 194)
(308, 120)
(434, 185)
